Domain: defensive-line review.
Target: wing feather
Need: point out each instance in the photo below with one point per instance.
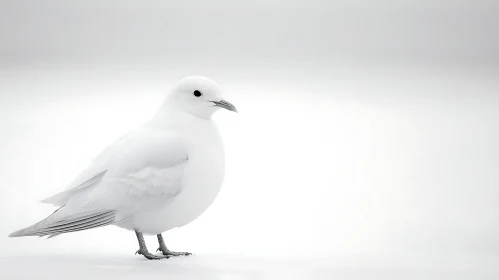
(143, 172)
(71, 223)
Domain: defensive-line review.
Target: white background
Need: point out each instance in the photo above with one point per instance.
(366, 139)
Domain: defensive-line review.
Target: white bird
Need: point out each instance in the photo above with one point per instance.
(161, 176)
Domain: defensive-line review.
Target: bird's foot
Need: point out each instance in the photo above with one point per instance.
(169, 253)
(150, 256)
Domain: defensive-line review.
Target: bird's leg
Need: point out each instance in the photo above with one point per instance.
(165, 251)
(143, 248)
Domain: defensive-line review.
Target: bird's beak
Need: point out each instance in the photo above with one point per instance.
(226, 105)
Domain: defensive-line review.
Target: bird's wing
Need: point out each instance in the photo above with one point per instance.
(56, 223)
(91, 176)
(147, 172)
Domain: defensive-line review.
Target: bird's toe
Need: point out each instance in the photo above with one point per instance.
(175, 254)
(150, 256)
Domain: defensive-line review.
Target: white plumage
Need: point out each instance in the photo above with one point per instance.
(161, 176)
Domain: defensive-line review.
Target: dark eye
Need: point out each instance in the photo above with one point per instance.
(197, 93)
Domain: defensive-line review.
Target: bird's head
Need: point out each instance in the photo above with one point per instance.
(199, 96)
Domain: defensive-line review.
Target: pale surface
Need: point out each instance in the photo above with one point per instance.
(207, 267)
(400, 160)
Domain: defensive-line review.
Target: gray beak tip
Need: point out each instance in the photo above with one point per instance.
(226, 105)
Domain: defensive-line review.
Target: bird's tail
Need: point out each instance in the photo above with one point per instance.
(59, 223)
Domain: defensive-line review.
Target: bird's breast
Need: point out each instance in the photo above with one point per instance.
(204, 174)
(199, 186)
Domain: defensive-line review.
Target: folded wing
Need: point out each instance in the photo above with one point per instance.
(146, 172)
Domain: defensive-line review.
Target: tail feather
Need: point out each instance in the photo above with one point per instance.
(107, 222)
(76, 222)
(84, 226)
(83, 219)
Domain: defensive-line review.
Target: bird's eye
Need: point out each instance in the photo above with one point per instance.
(197, 93)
